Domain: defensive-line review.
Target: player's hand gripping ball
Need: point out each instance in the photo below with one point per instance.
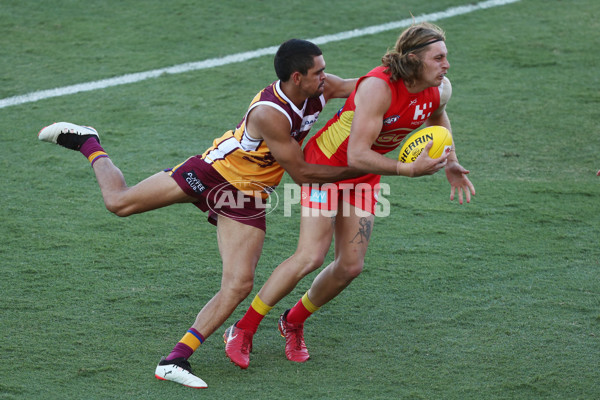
(413, 146)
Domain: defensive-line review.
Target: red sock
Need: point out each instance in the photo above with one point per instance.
(298, 314)
(250, 320)
(257, 311)
(301, 311)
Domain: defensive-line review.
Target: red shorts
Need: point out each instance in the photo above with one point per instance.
(360, 192)
(216, 195)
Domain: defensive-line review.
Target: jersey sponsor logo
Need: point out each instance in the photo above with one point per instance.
(423, 111)
(389, 139)
(192, 180)
(308, 121)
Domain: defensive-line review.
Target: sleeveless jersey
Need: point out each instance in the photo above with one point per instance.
(247, 163)
(407, 112)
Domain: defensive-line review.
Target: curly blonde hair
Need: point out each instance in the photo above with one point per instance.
(413, 40)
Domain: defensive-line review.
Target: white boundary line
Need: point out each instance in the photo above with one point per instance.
(240, 57)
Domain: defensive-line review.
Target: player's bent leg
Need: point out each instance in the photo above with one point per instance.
(157, 191)
(352, 235)
(316, 233)
(240, 246)
(315, 239)
(313, 244)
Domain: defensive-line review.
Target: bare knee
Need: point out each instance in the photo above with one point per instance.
(117, 206)
(308, 261)
(119, 212)
(238, 290)
(349, 271)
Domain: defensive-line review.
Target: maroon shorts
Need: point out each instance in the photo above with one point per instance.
(216, 195)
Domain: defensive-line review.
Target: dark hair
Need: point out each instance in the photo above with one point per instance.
(295, 55)
(413, 40)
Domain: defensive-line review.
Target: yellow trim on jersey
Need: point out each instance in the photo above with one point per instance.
(253, 171)
(330, 140)
(278, 96)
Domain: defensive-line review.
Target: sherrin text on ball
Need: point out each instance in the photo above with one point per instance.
(415, 143)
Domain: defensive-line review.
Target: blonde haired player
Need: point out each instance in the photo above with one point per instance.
(409, 90)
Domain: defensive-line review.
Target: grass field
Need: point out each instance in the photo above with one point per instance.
(498, 299)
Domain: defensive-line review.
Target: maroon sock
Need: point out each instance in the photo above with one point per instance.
(180, 350)
(92, 150)
(193, 338)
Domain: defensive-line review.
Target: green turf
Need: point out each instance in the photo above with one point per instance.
(498, 299)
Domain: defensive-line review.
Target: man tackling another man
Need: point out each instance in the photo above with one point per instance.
(409, 90)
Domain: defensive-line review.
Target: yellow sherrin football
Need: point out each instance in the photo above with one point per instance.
(414, 144)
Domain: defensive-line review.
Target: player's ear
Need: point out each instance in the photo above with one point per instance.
(296, 78)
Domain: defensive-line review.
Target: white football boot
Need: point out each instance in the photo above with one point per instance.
(178, 370)
(67, 134)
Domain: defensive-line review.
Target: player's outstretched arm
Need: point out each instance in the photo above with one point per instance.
(274, 129)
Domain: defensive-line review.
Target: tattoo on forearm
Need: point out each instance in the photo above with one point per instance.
(364, 231)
